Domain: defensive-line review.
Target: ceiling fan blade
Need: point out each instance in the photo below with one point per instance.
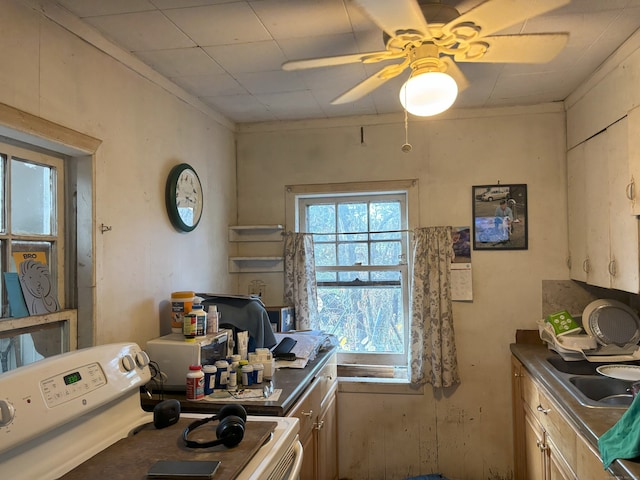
(396, 17)
(370, 84)
(454, 71)
(495, 15)
(535, 48)
(370, 57)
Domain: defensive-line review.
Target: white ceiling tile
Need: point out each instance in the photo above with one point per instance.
(223, 24)
(248, 57)
(242, 45)
(242, 108)
(93, 8)
(210, 85)
(141, 31)
(271, 82)
(166, 4)
(177, 62)
(319, 46)
(302, 18)
(291, 105)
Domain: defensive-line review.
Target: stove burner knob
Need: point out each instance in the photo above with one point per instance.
(7, 413)
(128, 363)
(142, 359)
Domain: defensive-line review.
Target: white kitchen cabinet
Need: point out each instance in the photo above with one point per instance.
(633, 143)
(546, 445)
(317, 413)
(577, 213)
(603, 235)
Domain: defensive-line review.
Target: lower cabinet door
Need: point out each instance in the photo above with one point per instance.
(308, 470)
(534, 444)
(327, 442)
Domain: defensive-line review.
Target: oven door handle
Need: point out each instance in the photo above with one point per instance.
(297, 466)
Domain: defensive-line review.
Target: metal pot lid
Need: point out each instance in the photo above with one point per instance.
(611, 322)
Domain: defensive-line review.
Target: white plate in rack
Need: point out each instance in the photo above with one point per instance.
(630, 373)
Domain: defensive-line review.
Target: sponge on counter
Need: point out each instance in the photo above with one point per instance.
(563, 323)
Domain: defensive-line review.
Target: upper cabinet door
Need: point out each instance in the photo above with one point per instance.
(633, 158)
(577, 213)
(597, 206)
(623, 228)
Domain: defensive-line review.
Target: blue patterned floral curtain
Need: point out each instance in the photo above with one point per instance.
(433, 349)
(300, 279)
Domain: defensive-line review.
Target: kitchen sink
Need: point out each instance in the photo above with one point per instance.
(604, 390)
(587, 386)
(579, 367)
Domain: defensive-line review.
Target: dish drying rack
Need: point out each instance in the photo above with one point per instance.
(575, 347)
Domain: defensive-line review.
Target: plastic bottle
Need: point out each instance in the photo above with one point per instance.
(195, 383)
(258, 372)
(212, 320)
(209, 378)
(201, 320)
(232, 384)
(247, 375)
(189, 326)
(181, 303)
(222, 374)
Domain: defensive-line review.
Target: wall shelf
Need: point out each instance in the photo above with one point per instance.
(256, 264)
(256, 233)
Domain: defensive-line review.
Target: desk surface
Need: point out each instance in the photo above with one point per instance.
(292, 381)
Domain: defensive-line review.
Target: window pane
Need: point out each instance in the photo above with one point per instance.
(353, 254)
(352, 218)
(385, 217)
(34, 344)
(33, 247)
(32, 198)
(321, 218)
(353, 276)
(364, 319)
(385, 253)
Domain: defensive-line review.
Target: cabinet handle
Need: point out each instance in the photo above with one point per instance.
(585, 265)
(541, 446)
(541, 409)
(319, 425)
(630, 190)
(307, 414)
(612, 268)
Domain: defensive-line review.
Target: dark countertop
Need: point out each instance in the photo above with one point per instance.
(590, 422)
(292, 381)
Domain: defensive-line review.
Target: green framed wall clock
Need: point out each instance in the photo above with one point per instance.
(184, 197)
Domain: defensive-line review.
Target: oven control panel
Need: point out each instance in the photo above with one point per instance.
(66, 386)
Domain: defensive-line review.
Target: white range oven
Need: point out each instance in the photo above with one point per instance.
(62, 413)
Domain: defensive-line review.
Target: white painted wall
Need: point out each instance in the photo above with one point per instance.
(145, 130)
(465, 432)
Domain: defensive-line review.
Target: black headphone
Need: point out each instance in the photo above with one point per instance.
(229, 431)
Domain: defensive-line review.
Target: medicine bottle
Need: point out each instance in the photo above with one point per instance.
(201, 320)
(181, 303)
(195, 383)
(209, 378)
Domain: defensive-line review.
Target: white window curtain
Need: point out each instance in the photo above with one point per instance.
(433, 349)
(300, 279)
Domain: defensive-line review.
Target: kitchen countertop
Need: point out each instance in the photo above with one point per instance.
(292, 382)
(590, 422)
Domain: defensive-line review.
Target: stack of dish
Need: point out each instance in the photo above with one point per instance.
(612, 332)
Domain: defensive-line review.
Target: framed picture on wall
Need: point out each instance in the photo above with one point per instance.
(500, 217)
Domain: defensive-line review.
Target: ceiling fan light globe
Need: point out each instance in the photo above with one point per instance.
(428, 94)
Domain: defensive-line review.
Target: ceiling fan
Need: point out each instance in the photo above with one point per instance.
(430, 38)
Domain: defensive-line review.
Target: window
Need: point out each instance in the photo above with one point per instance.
(361, 253)
(31, 221)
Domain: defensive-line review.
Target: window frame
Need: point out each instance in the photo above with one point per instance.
(299, 195)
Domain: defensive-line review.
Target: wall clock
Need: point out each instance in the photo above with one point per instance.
(184, 197)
